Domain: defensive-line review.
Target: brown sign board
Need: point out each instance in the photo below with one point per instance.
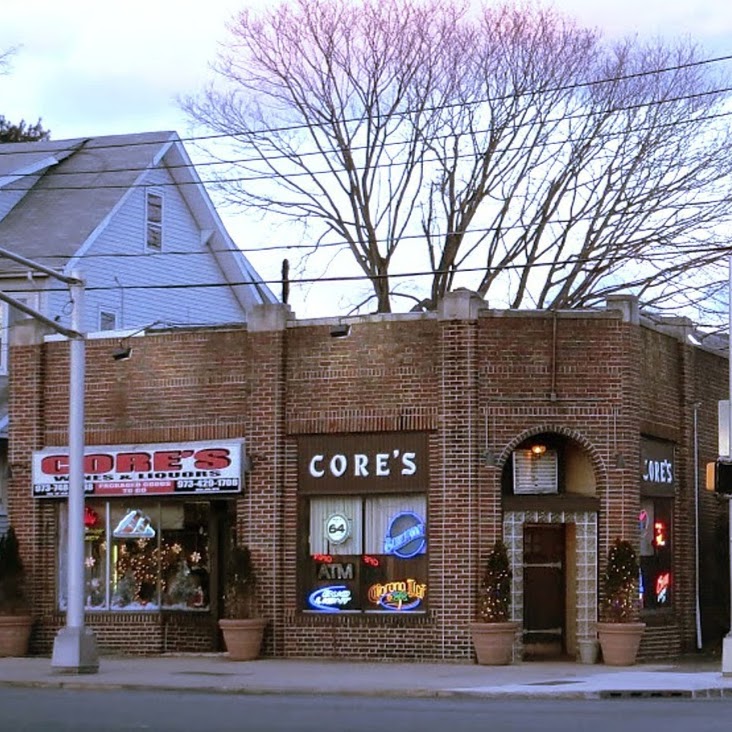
(657, 468)
(388, 462)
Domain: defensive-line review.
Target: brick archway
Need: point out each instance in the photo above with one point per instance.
(598, 464)
(584, 528)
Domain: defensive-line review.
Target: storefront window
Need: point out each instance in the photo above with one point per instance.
(142, 556)
(656, 580)
(365, 554)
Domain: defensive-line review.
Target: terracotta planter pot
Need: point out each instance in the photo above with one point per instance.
(620, 642)
(14, 634)
(493, 642)
(243, 638)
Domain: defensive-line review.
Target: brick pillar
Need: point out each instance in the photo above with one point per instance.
(25, 434)
(454, 510)
(260, 516)
(621, 502)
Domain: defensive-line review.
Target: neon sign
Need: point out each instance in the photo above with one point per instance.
(330, 599)
(643, 520)
(659, 533)
(663, 582)
(91, 517)
(399, 596)
(406, 535)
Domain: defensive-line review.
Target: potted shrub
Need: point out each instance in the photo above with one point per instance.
(15, 618)
(494, 632)
(242, 632)
(619, 630)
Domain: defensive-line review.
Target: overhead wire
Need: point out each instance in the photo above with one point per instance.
(220, 180)
(309, 125)
(570, 260)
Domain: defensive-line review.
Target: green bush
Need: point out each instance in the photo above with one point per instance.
(240, 583)
(620, 601)
(494, 599)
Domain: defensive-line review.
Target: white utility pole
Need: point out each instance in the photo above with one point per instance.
(727, 641)
(75, 646)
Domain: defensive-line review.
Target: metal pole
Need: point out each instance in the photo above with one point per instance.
(77, 366)
(697, 587)
(727, 640)
(75, 648)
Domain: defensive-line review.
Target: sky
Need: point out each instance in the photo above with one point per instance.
(93, 67)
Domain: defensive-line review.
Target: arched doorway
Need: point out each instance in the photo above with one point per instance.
(550, 520)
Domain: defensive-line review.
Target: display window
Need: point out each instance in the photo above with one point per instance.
(365, 554)
(656, 580)
(142, 556)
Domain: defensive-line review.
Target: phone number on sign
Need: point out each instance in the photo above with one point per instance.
(207, 484)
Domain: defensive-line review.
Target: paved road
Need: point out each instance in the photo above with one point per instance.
(57, 710)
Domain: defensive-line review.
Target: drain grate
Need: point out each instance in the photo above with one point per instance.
(561, 682)
(645, 694)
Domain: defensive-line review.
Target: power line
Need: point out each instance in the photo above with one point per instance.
(566, 262)
(310, 125)
(380, 166)
(358, 148)
(345, 244)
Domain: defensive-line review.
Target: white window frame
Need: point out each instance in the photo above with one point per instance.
(108, 312)
(151, 224)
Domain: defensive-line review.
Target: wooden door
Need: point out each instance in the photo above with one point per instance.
(544, 590)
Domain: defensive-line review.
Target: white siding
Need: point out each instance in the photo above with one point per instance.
(183, 261)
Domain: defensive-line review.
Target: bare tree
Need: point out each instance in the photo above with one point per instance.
(504, 149)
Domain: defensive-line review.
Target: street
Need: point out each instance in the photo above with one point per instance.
(57, 710)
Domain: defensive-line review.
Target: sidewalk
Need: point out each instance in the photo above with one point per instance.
(215, 673)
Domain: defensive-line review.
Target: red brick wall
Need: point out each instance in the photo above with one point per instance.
(477, 387)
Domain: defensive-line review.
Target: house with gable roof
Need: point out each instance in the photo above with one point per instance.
(130, 215)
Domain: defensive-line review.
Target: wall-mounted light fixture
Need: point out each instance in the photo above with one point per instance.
(538, 450)
(124, 349)
(341, 330)
(122, 353)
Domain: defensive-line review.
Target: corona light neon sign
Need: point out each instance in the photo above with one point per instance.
(400, 596)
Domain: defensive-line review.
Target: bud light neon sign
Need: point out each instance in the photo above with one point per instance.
(330, 599)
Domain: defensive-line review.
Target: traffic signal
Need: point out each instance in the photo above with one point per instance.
(719, 477)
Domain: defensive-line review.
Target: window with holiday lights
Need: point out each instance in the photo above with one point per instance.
(656, 580)
(142, 556)
(365, 554)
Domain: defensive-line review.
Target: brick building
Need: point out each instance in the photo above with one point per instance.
(378, 469)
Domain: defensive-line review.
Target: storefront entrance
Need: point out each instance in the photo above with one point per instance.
(544, 591)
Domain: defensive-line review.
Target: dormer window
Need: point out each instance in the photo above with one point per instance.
(154, 222)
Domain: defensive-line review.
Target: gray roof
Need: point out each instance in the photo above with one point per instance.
(72, 197)
(82, 180)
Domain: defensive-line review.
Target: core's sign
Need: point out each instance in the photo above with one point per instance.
(388, 462)
(132, 470)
